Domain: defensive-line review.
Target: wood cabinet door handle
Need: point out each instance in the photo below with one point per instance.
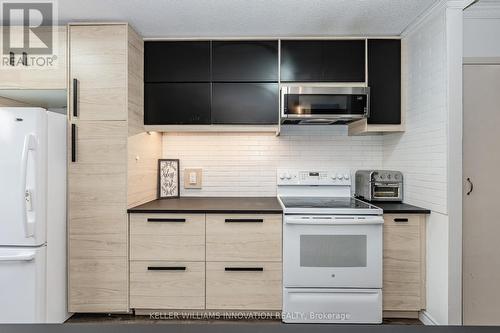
(244, 220)
(244, 269)
(75, 97)
(166, 220)
(166, 268)
(399, 220)
(73, 143)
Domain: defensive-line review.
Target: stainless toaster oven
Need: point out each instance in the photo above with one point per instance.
(379, 185)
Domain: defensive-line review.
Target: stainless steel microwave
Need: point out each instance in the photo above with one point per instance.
(323, 105)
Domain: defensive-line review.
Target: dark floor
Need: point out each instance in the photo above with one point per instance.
(132, 319)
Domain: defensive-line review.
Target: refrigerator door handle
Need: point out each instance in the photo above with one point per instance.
(29, 144)
(22, 256)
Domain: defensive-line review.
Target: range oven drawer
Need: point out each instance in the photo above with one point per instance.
(316, 305)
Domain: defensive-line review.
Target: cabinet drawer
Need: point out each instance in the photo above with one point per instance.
(167, 285)
(404, 263)
(244, 285)
(401, 219)
(243, 237)
(167, 237)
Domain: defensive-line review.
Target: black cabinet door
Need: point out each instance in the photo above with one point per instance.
(384, 80)
(344, 61)
(176, 103)
(176, 61)
(301, 61)
(323, 61)
(245, 61)
(245, 103)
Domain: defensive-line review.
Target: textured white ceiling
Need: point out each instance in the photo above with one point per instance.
(234, 18)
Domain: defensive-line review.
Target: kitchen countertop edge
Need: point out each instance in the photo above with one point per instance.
(210, 205)
(399, 208)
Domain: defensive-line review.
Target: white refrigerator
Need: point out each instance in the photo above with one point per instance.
(32, 216)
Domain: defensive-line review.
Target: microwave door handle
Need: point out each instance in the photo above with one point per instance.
(27, 195)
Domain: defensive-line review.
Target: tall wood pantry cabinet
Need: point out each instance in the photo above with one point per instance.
(111, 161)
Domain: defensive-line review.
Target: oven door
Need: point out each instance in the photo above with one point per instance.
(321, 251)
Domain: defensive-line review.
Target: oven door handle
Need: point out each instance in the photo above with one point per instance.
(340, 220)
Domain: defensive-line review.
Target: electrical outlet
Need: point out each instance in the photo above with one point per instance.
(192, 177)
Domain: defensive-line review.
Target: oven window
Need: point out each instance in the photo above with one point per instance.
(386, 192)
(333, 251)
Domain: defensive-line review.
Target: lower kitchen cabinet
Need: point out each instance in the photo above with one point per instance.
(167, 237)
(205, 261)
(167, 285)
(243, 237)
(242, 285)
(404, 262)
(98, 284)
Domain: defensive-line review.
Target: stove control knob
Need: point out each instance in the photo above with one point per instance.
(282, 176)
(288, 176)
(340, 177)
(346, 176)
(334, 177)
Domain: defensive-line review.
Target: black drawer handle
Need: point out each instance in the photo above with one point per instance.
(244, 220)
(400, 220)
(244, 269)
(166, 220)
(166, 268)
(73, 143)
(11, 58)
(75, 98)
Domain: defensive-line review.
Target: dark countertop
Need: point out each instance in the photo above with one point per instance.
(239, 205)
(399, 208)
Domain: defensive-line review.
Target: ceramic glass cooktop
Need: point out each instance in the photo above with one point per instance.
(325, 202)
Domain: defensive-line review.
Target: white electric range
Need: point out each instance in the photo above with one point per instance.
(332, 249)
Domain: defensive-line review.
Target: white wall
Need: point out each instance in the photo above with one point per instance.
(481, 27)
(421, 152)
(429, 153)
(244, 164)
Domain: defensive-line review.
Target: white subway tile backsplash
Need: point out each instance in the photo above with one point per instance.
(421, 152)
(244, 164)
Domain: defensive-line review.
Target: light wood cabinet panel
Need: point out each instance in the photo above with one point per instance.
(97, 285)
(244, 290)
(240, 237)
(167, 285)
(107, 61)
(404, 263)
(167, 237)
(98, 60)
(43, 71)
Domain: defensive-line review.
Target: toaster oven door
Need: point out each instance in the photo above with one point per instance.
(387, 191)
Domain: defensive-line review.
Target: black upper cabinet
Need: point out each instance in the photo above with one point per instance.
(384, 80)
(344, 61)
(301, 61)
(177, 61)
(323, 61)
(176, 103)
(245, 103)
(245, 61)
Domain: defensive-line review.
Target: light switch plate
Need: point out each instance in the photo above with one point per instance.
(193, 177)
